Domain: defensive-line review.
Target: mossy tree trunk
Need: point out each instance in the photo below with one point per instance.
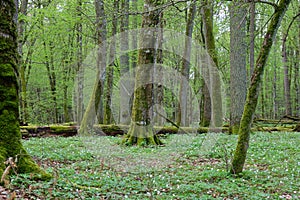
(108, 115)
(141, 129)
(253, 91)
(212, 85)
(158, 89)
(10, 136)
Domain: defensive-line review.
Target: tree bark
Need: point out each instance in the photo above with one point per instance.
(297, 82)
(80, 69)
(22, 66)
(253, 91)
(158, 89)
(286, 79)
(252, 36)
(238, 54)
(274, 97)
(212, 86)
(108, 117)
(94, 107)
(10, 136)
(124, 64)
(141, 129)
(182, 118)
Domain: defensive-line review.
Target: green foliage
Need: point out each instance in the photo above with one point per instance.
(50, 31)
(272, 169)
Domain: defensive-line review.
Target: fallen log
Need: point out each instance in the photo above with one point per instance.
(297, 128)
(48, 131)
(103, 130)
(115, 130)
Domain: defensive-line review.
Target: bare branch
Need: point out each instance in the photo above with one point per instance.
(181, 10)
(289, 27)
(266, 2)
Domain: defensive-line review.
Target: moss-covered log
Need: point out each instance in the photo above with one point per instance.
(253, 91)
(283, 120)
(106, 130)
(10, 136)
(297, 128)
(116, 130)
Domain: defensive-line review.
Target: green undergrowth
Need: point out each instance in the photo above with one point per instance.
(184, 168)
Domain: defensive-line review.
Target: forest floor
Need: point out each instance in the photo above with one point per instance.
(186, 167)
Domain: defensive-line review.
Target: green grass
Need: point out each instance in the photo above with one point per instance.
(187, 167)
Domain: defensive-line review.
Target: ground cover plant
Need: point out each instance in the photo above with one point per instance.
(100, 168)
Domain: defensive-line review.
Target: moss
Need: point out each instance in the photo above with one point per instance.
(11, 146)
(30, 129)
(10, 135)
(297, 128)
(61, 129)
(205, 122)
(26, 164)
(253, 91)
(141, 136)
(70, 124)
(234, 129)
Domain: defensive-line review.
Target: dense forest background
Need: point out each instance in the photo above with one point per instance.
(145, 70)
(56, 39)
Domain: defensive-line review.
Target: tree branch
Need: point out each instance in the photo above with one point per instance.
(289, 27)
(275, 6)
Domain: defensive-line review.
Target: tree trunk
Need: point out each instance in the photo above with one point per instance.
(108, 117)
(141, 129)
(66, 91)
(286, 80)
(238, 54)
(68, 74)
(182, 118)
(212, 85)
(124, 64)
(22, 66)
(158, 89)
(297, 73)
(286, 64)
(94, 107)
(297, 83)
(49, 57)
(252, 37)
(274, 97)
(134, 25)
(253, 91)
(49, 64)
(80, 69)
(262, 99)
(10, 136)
